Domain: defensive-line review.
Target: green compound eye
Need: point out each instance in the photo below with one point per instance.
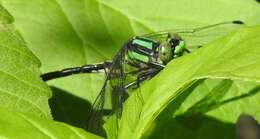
(165, 52)
(179, 49)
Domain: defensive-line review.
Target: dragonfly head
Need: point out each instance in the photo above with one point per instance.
(170, 49)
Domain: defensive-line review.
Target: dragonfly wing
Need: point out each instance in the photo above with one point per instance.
(112, 91)
(95, 120)
(117, 81)
(199, 36)
(204, 36)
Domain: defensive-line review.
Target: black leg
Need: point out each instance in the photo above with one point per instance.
(168, 36)
(75, 70)
(187, 50)
(138, 71)
(142, 77)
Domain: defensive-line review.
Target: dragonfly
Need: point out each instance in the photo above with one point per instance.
(139, 59)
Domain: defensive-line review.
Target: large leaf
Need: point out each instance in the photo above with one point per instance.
(66, 33)
(21, 89)
(24, 96)
(88, 31)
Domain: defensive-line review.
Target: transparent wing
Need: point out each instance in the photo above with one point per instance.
(112, 93)
(117, 82)
(197, 36)
(95, 121)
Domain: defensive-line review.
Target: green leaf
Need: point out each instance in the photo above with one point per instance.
(89, 31)
(21, 88)
(65, 33)
(24, 96)
(16, 126)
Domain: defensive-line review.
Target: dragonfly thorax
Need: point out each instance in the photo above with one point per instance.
(141, 50)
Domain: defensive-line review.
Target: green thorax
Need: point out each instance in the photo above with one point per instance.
(140, 49)
(136, 56)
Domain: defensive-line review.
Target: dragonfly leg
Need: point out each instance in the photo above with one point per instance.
(187, 50)
(134, 72)
(142, 77)
(169, 35)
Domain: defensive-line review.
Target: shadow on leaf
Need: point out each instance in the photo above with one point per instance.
(73, 110)
(194, 123)
(213, 99)
(68, 108)
(200, 126)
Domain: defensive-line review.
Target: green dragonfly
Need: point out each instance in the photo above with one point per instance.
(139, 59)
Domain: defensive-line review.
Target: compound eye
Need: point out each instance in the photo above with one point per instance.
(165, 53)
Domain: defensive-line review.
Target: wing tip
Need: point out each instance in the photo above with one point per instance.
(238, 22)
